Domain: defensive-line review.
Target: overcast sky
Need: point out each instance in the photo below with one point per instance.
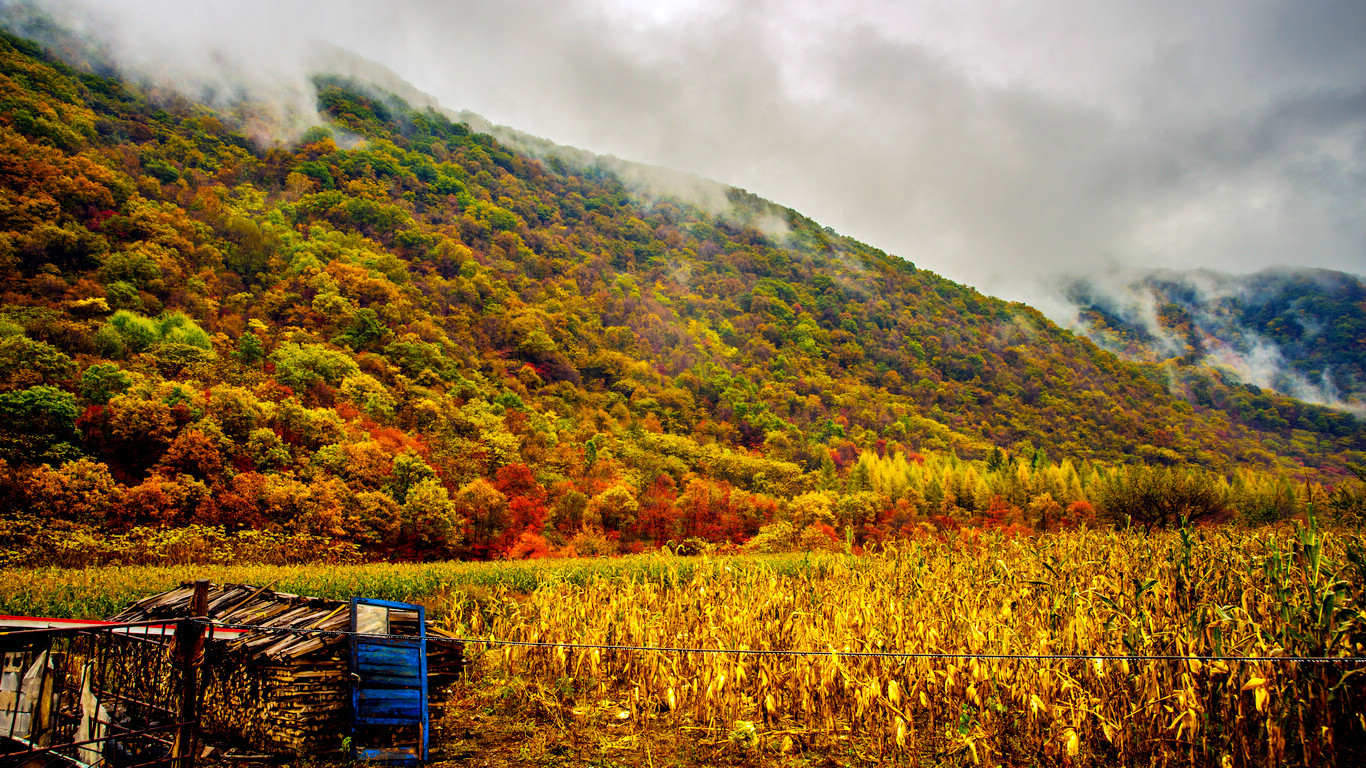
(992, 141)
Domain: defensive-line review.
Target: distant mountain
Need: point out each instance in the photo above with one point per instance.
(1301, 332)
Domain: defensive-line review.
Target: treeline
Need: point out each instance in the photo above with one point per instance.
(358, 507)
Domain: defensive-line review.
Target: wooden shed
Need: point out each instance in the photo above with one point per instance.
(285, 684)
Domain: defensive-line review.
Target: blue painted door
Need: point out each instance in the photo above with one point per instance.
(388, 682)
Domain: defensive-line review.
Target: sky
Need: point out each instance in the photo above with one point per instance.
(997, 142)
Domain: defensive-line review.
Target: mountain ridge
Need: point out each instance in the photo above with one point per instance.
(403, 333)
(1300, 331)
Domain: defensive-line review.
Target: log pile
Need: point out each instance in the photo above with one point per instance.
(284, 686)
(300, 706)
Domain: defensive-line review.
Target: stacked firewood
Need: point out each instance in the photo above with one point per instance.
(284, 685)
(445, 662)
(299, 706)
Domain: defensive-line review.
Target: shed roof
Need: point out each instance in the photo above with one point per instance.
(270, 613)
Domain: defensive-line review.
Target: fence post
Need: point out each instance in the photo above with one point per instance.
(189, 643)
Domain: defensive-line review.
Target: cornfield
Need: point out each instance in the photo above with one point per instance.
(1215, 592)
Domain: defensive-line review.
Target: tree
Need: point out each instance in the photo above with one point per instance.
(81, 491)
(192, 453)
(133, 431)
(369, 395)
(380, 517)
(614, 509)
(774, 537)
(25, 362)
(409, 470)
(161, 500)
(526, 505)
(38, 424)
(484, 509)
(102, 381)
(301, 366)
(136, 332)
(236, 410)
(431, 523)
(250, 350)
(266, 449)
(814, 508)
(1158, 497)
(657, 521)
(366, 331)
(178, 328)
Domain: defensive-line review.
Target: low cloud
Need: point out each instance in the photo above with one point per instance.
(998, 145)
(1218, 333)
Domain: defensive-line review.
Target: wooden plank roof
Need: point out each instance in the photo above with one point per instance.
(270, 613)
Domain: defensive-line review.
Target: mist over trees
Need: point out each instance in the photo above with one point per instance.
(429, 345)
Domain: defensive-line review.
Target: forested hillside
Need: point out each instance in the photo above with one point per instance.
(1301, 332)
(399, 334)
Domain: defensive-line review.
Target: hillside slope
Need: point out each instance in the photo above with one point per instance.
(402, 333)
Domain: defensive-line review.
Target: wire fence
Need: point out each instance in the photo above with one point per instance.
(949, 655)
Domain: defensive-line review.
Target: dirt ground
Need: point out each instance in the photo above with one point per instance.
(492, 722)
(495, 723)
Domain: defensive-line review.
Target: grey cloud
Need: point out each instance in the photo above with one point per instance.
(995, 144)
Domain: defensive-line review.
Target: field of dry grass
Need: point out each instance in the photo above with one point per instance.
(1109, 598)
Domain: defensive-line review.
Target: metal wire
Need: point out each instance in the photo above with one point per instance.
(835, 653)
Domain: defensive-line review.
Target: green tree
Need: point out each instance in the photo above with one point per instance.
(409, 471)
(178, 328)
(25, 363)
(102, 381)
(1159, 497)
(137, 332)
(38, 424)
(367, 331)
(301, 366)
(250, 350)
(266, 449)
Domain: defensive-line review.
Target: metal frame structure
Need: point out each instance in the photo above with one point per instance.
(107, 695)
(388, 683)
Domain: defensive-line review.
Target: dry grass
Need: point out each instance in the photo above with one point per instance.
(1283, 592)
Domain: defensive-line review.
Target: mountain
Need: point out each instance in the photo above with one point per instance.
(404, 334)
(1301, 332)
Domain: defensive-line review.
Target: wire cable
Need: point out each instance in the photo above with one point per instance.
(835, 653)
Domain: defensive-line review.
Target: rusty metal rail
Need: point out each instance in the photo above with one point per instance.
(112, 696)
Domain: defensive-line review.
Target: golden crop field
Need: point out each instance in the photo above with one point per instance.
(1284, 592)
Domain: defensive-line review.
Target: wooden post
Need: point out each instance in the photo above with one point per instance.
(189, 641)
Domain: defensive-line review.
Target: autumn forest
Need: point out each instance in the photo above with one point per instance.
(396, 338)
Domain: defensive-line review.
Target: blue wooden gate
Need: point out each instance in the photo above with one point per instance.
(388, 682)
